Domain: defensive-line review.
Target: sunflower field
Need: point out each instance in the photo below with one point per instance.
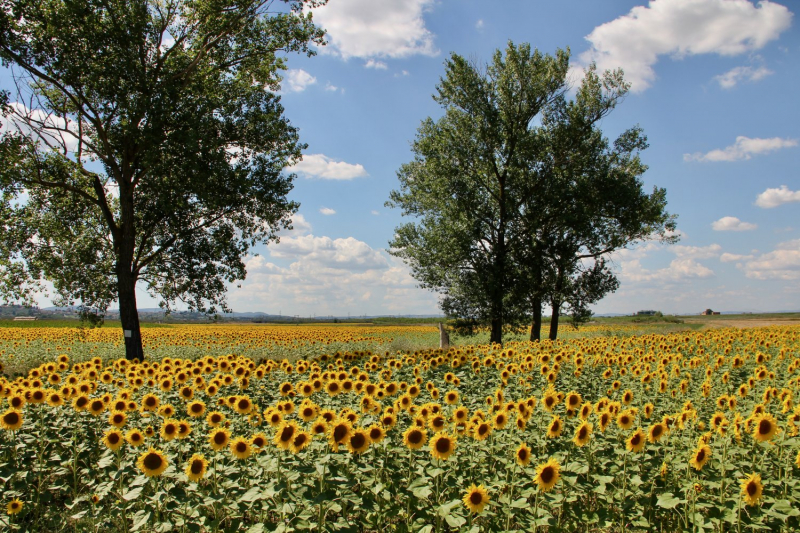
(684, 431)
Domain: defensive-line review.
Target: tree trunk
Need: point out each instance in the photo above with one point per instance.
(554, 319)
(129, 315)
(536, 326)
(497, 331)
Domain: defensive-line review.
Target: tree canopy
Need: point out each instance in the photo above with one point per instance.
(516, 195)
(148, 145)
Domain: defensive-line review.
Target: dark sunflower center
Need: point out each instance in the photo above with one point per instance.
(287, 433)
(196, 408)
(113, 438)
(97, 405)
(547, 474)
(197, 467)
(415, 437)
(339, 432)
(443, 445)
(150, 402)
(220, 438)
(764, 427)
(153, 461)
(582, 433)
(752, 489)
(375, 434)
(657, 431)
(358, 440)
(636, 439)
(700, 456)
(483, 429)
(522, 454)
(475, 498)
(241, 447)
(11, 418)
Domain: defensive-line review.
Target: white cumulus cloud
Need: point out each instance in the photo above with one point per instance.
(322, 166)
(732, 258)
(348, 254)
(782, 263)
(775, 197)
(297, 80)
(744, 148)
(696, 252)
(376, 28)
(732, 224)
(735, 75)
(377, 65)
(327, 211)
(680, 28)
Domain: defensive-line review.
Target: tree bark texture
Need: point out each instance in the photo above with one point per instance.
(536, 325)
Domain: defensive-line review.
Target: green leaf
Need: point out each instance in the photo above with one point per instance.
(132, 494)
(140, 519)
(667, 500)
(252, 495)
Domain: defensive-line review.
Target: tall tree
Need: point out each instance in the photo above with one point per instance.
(595, 202)
(515, 186)
(149, 146)
(468, 174)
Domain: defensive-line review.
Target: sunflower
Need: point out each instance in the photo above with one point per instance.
(152, 463)
(169, 429)
(700, 456)
(215, 418)
(113, 439)
(14, 506)
(415, 438)
(481, 431)
(376, 433)
(442, 446)
(625, 419)
(476, 498)
(259, 441)
(547, 474)
(196, 408)
(655, 432)
(586, 410)
(636, 442)
(96, 406)
(240, 448)
(582, 434)
(135, 437)
(218, 438)
(284, 436)
(555, 427)
(752, 489)
(243, 405)
(500, 420)
(184, 429)
(301, 440)
(319, 427)
(117, 419)
(523, 454)
(11, 420)
(358, 442)
(196, 467)
(150, 402)
(451, 397)
(308, 412)
(764, 427)
(339, 433)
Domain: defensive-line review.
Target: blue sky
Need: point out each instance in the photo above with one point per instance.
(714, 86)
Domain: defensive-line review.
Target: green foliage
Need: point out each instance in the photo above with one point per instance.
(162, 152)
(515, 188)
